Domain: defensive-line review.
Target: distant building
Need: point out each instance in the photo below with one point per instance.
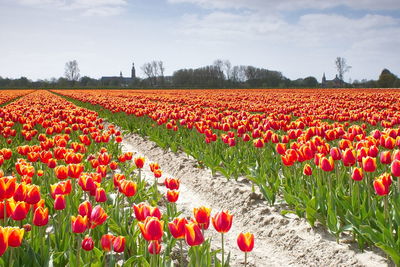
(335, 83)
(120, 80)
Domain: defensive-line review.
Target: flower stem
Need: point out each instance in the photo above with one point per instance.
(181, 247)
(222, 251)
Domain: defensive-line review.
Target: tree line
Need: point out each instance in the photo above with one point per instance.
(220, 74)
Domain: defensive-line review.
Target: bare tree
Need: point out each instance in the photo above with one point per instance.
(161, 70)
(228, 69)
(341, 67)
(154, 71)
(72, 71)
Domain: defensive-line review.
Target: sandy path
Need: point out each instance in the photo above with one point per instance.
(280, 240)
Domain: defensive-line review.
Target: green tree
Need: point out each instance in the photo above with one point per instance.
(387, 79)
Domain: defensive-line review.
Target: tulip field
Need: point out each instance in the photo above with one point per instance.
(69, 196)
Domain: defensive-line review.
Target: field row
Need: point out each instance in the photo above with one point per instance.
(332, 155)
(69, 196)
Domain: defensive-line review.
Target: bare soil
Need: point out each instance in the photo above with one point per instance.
(279, 240)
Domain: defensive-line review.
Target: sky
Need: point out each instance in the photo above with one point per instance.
(299, 38)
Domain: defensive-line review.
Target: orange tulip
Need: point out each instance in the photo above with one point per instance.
(222, 221)
(75, 170)
(172, 195)
(245, 242)
(61, 172)
(79, 224)
(3, 240)
(128, 188)
(41, 216)
(117, 178)
(97, 217)
(154, 166)
(157, 173)
(107, 241)
(382, 184)
(193, 235)
(151, 228)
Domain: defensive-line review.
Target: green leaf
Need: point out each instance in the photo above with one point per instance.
(392, 252)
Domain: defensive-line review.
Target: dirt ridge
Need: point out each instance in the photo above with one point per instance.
(279, 240)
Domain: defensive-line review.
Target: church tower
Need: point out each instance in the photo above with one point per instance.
(133, 76)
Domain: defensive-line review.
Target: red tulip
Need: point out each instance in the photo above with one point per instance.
(395, 168)
(172, 195)
(19, 210)
(101, 195)
(154, 247)
(119, 244)
(59, 202)
(349, 157)
(107, 241)
(222, 221)
(382, 184)
(151, 228)
(385, 157)
(41, 216)
(85, 209)
(139, 162)
(3, 240)
(87, 243)
(245, 242)
(327, 164)
(307, 170)
(15, 236)
(177, 227)
(335, 153)
(369, 164)
(172, 183)
(357, 174)
(98, 216)
(61, 172)
(79, 224)
(128, 188)
(193, 235)
(202, 216)
(33, 195)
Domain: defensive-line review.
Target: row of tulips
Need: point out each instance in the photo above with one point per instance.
(69, 196)
(343, 145)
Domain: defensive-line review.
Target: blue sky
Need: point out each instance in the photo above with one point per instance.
(297, 37)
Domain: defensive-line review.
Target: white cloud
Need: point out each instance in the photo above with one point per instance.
(87, 7)
(314, 39)
(266, 5)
